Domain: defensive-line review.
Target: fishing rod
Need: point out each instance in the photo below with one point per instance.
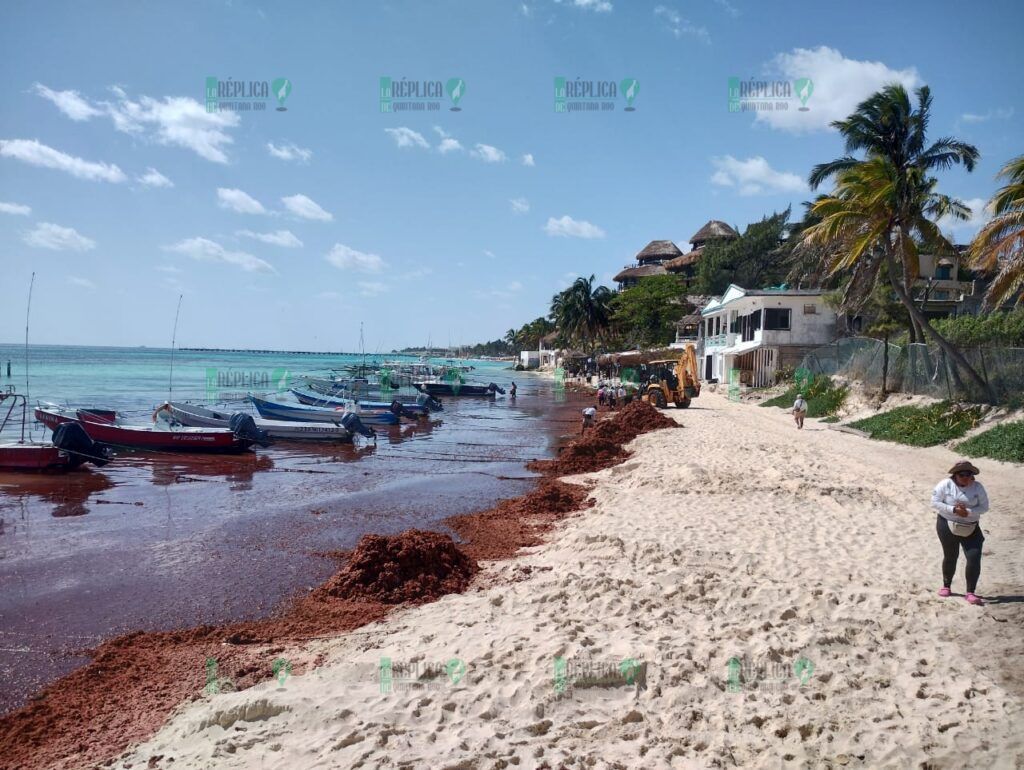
(174, 337)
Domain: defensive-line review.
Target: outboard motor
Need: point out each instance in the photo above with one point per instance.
(398, 410)
(244, 426)
(432, 404)
(353, 424)
(72, 438)
(495, 389)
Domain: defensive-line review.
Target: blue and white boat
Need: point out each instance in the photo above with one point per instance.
(420, 404)
(274, 410)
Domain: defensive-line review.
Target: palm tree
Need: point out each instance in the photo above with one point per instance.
(999, 246)
(582, 312)
(884, 205)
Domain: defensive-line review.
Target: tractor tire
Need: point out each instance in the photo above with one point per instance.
(657, 399)
(683, 404)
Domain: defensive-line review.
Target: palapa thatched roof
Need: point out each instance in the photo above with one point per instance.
(684, 260)
(689, 320)
(713, 229)
(639, 272)
(658, 251)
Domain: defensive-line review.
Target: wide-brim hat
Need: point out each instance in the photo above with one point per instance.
(963, 465)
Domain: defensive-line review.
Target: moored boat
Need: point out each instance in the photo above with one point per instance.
(101, 427)
(70, 448)
(420, 404)
(274, 410)
(456, 388)
(202, 417)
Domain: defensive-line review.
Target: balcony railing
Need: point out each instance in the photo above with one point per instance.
(719, 340)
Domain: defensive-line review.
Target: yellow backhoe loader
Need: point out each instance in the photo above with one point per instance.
(673, 380)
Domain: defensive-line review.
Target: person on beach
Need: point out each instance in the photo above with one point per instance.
(621, 395)
(588, 418)
(512, 391)
(600, 395)
(610, 397)
(960, 501)
(799, 410)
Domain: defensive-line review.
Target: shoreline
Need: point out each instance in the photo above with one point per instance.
(735, 538)
(97, 706)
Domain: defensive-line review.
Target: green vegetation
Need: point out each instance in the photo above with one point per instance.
(830, 418)
(822, 396)
(583, 314)
(995, 329)
(922, 425)
(646, 314)
(1003, 442)
(997, 248)
(756, 259)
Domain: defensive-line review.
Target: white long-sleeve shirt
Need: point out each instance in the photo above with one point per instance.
(947, 494)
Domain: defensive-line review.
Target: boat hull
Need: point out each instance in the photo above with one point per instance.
(453, 389)
(34, 457)
(272, 410)
(148, 437)
(282, 430)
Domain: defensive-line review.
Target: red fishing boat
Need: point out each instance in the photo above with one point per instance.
(70, 448)
(104, 426)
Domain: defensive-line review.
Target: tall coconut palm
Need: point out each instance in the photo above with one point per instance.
(885, 205)
(582, 312)
(999, 246)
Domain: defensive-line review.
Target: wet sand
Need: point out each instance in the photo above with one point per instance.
(170, 542)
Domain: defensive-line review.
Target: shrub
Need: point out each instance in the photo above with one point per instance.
(1003, 442)
(922, 425)
(822, 396)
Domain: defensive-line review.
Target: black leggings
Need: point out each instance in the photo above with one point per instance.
(951, 545)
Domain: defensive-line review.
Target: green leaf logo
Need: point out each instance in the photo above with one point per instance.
(456, 668)
(456, 88)
(630, 87)
(804, 670)
(804, 87)
(281, 87)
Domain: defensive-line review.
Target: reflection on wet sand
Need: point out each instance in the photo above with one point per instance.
(67, 492)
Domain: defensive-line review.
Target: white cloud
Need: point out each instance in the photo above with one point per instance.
(515, 286)
(520, 205)
(85, 283)
(372, 288)
(729, 8)
(598, 6)
(306, 208)
(51, 236)
(406, 137)
(840, 84)
(961, 228)
(239, 201)
(448, 142)
(153, 178)
(567, 227)
(419, 272)
(290, 152)
(488, 154)
(328, 295)
(285, 238)
(167, 269)
(1000, 113)
(679, 26)
(68, 102)
(528, 159)
(754, 176)
(175, 120)
(17, 209)
(488, 253)
(35, 153)
(205, 250)
(344, 258)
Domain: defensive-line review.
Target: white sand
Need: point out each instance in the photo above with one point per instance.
(736, 536)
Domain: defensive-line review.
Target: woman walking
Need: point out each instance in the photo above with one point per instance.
(960, 501)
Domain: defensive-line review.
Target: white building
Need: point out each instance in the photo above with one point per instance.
(756, 332)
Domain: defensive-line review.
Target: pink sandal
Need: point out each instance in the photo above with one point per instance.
(972, 599)
(944, 591)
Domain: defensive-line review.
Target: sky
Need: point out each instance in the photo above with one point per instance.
(284, 229)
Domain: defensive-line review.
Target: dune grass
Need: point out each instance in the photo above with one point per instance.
(922, 425)
(1003, 442)
(822, 396)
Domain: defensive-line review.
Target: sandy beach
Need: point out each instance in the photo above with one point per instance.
(771, 592)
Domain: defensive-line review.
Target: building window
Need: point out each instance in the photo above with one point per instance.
(810, 309)
(776, 318)
(943, 273)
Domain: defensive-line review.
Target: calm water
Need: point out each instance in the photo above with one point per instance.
(166, 540)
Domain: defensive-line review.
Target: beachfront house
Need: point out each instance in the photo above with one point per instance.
(938, 289)
(685, 265)
(756, 332)
(649, 261)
